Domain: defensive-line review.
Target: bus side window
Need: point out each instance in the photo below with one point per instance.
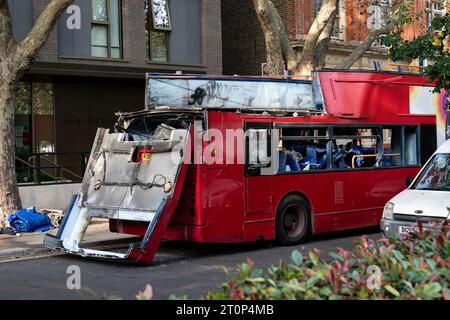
(258, 150)
(392, 147)
(303, 149)
(411, 144)
(361, 146)
(428, 142)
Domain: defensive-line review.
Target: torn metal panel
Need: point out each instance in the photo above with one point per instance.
(118, 184)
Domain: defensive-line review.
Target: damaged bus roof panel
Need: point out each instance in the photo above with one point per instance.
(242, 93)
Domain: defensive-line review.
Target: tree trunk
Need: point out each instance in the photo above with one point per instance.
(275, 63)
(9, 191)
(15, 58)
(326, 12)
(289, 55)
(321, 49)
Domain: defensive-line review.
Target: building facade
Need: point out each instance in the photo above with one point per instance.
(94, 64)
(243, 41)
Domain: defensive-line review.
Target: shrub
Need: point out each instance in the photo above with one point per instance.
(414, 267)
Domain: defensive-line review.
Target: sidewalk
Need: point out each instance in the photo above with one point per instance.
(30, 244)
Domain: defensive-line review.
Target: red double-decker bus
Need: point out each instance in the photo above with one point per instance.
(324, 159)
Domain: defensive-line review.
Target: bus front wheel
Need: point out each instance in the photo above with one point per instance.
(292, 221)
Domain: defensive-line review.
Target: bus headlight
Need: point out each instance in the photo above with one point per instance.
(388, 212)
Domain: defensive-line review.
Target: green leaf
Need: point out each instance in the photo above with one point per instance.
(312, 281)
(257, 272)
(275, 294)
(392, 290)
(431, 263)
(432, 290)
(398, 255)
(336, 256)
(314, 258)
(297, 257)
(244, 268)
(259, 279)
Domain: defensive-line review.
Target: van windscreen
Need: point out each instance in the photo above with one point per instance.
(436, 175)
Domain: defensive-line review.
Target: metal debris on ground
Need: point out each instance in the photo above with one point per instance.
(8, 230)
(56, 216)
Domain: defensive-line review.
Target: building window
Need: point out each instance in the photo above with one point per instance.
(376, 13)
(158, 29)
(436, 10)
(338, 28)
(34, 127)
(106, 29)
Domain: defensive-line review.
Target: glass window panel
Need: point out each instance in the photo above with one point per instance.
(161, 14)
(99, 51)
(318, 5)
(392, 147)
(99, 10)
(99, 36)
(411, 154)
(42, 98)
(22, 127)
(116, 53)
(23, 104)
(114, 22)
(158, 46)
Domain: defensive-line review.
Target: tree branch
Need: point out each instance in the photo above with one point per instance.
(306, 62)
(365, 45)
(321, 49)
(7, 41)
(29, 47)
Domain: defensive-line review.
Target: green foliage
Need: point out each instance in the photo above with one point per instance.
(431, 45)
(416, 267)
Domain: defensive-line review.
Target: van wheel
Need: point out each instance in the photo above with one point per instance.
(293, 221)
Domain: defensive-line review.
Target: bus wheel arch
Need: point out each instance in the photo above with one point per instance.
(293, 219)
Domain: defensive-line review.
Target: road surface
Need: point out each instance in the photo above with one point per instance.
(179, 268)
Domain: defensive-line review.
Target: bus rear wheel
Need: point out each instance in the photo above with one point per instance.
(293, 221)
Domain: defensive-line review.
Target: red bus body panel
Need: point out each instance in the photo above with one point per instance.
(218, 203)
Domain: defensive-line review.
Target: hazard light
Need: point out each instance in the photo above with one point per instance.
(144, 154)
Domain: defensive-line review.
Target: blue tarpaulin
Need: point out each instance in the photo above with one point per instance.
(29, 220)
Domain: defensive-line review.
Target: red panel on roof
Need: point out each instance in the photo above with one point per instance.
(367, 94)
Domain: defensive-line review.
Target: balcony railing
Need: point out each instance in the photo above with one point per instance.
(51, 168)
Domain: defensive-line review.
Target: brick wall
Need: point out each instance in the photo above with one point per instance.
(211, 35)
(356, 20)
(242, 38)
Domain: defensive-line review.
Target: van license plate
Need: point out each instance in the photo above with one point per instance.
(407, 230)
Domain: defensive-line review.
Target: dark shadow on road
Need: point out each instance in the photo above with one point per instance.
(171, 252)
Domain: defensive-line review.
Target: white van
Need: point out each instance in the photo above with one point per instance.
(427, 199)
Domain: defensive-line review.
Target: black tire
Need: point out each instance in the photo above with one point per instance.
(293, 221)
